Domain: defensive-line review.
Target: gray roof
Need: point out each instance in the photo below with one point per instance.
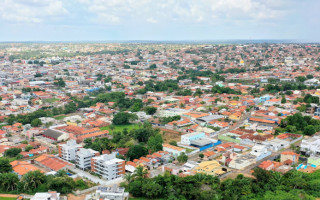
(52, 133)
(210, 118)
(201, 142)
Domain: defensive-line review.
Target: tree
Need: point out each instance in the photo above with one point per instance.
(153, 66)
(182, 158)
(309, 76)
(283, 100)
(9, 181)
(13, 152)
(5, 166)
(36, 123)
(122, 118)
(201, 155)
(136, 152)
(309, 130)
(152, 190)
(32, 180)
(174, 143)
(128, 177)
(155, 143)
(140, 172)
(28, 148)
(63, 185)
(59, 82)
(150, 110)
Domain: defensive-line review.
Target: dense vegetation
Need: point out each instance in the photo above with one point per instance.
(267, 185)
(139, 141)
(35, 181)
(299, 124)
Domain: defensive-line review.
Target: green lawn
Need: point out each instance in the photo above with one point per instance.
(120, 127)
(60, 117)
(189, 150)
(7, 198)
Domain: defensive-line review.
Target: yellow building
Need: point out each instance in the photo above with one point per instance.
(235, 116)
(211, 168)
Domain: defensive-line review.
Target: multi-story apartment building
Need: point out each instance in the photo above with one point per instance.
(68, 150)
(83, 158)
(108, 166)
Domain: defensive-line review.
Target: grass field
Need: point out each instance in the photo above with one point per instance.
(7, 198)
(60, 117)
(120, 127)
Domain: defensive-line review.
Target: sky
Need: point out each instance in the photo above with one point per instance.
(105, 20)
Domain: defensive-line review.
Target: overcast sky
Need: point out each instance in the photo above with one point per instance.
(74, 20)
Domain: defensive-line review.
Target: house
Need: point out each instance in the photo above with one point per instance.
(260, 151)
(51, 162)
(22, 167)
(211, 168)
(267, 165)
(174, 150)
(289, 157)
(312, 82)
(51, 195)
(112, 193)
(314, 161)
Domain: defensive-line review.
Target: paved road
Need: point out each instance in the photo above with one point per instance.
(87, 175)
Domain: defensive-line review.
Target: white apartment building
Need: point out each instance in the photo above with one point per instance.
(108, 166)
(310, 146)
(68, 150)
(172, 112)
(83, 158)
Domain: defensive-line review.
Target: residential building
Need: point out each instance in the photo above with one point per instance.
(68, 150)
(108, 166)
(51, 195)
(186, 139)
(174, 150)
(83, 158)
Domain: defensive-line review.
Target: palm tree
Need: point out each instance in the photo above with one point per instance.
(9, 181)
(140, 172)
(128, 177)
(33, 179)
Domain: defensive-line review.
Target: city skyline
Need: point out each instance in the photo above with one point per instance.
(123, 20)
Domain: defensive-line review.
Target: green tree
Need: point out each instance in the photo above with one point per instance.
(153, 66)
(309, 130)
(13, 152)
(122, 118)
(283, 100)
(5, 166)
(59, 82)
(28, 148)
(182, 158)
(140, 172)
(150, 110)
(136, 152)
(155, 143)
(36, 123)
(9, 181)
(32, 180)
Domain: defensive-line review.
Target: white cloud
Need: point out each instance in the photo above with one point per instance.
(31, 11)
(185, 11)
(152, 20)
